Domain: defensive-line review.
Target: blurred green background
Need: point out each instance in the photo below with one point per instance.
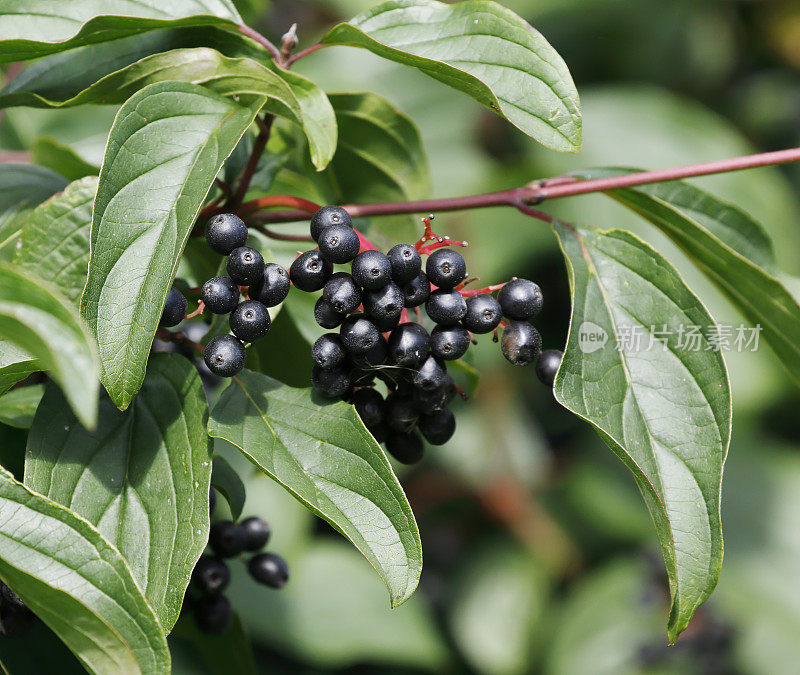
(539, 554)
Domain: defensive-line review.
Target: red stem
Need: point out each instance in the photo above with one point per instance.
(259, 145)
(258, 37)
(303, 53)
(304, 206)
(563, 186)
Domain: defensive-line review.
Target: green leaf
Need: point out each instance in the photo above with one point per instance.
(54, 243)
(142, 477)
(30, 29)
(289, 95)
(15, 365)
(225, 653)
(35, 317)
(54, 80)
(483, 50)
(324, 456)
(77, 583)
(62, 159)
(18, 406)
(22, 186)
(38, 651)
(730, 248)
(225, 479)
(663, 409)
(167, 144)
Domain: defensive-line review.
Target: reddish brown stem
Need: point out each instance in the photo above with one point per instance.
(258, 37)
(282, 237)
(562, 186)
(303, 53)
(178, 338)
(304, 206)
(259, 145)
(483, 291)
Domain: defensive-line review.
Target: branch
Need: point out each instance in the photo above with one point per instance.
(535, 193)
(265, 127)
(303, 53)
(258, 37)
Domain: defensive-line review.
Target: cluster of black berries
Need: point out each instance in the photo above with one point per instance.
(211, 609)
(15, 617)
(367, 305)
(268, 286)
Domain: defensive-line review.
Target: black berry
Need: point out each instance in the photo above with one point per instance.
(375, 356)
(325, 315)
(329, 216)
(174, 309)
(210, 575)
(332, 383)
(212, 501)
(273, 286)
(220, 295)
(256, 533)
(406, 263)
(342, 293)
(245, 266)
(385, 304)
(405, 448)
(547, 365)
(213, 614)
(417, 291)
(358, 334)
(339, 244)
(521, 343)
(520, 299)
(436, 399)
(9, 598)
(483, 314)
(310, 271)
(370, 406)
(446, 307)
(328, 352)
(15, 623)
(371, 270)
(446, 268)
(224, 355)
(401, 413)
(449, 342)
(225, 539)
(409, 345)
(431, 375)
(226, 232)
(439, 427)
(250, 321)
(269, 569)
(379, 432)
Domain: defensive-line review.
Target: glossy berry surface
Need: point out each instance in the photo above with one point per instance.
(220, 295)
(224, 355)
(371, 270)
(521, 343)
(310, 271)
(446, 307)
(245, 266)
(331, 383)
(401, 413)
(339, 244)
(326, 217)
(327, 352)
(483, 314)
(406, 263)
(225, 539)
(405, 448)
(250, 321)
(370, 406)
(358, 334)
(417, 291)
(439, 427)
(213, 614)
(431, 375)
(385, 304)
(325, 315)
(273, 287)
(449, 342)
(446, 268)
(375, 356)
(342, 293)
(226, 232)
(520, 299)
(210, 574)
(409, 345)
(547, 366)
(174, 309)
(436, 399)
(256, 533)
(269, 569)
